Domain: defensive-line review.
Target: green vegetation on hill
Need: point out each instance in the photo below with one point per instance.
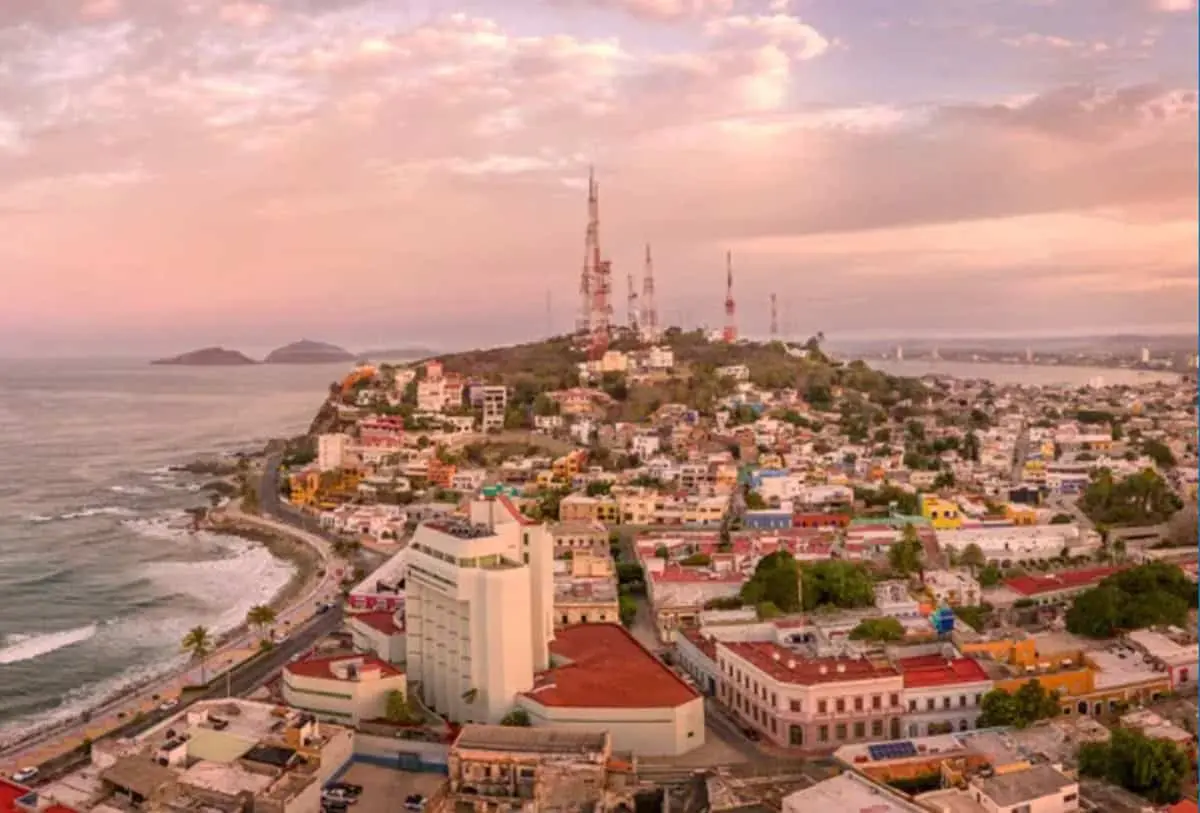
(1139, 499)
(1143, 596)
(1025, 706)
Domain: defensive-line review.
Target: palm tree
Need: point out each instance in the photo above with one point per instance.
(260, 616)
(199, 644)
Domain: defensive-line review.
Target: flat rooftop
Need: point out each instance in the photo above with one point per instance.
(847, 792)
(530, 740)
(1019, 787)
(1122, 667)
(603, 666)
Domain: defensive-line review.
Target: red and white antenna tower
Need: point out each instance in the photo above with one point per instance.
(730, 333)
(649, 310)
(599, 308)
(774, 319)
(584, 323)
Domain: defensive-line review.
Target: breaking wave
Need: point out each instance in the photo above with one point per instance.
(28, 647)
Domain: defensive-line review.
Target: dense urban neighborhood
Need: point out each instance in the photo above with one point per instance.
(714, 575)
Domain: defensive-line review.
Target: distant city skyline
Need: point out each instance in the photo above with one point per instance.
(212, 172)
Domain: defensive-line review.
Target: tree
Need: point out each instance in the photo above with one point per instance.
(878, 629)
(260, 616)
(599, 488)
(627, 608)
(1061, 519)
(1139, 499)
(755, 501)
(1159, 453)
(1183, 530)
(1155, 769)
(905, 556)
(517, 718)
(776, 580)
(972, 557)
(970, 448)
(1022, 708)
(199, 644)
(837, 583)
(1148, 595)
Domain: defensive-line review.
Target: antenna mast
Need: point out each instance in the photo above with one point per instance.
(730, 332)
(584, 323)
(649, 310)
(774, 319)
(599, 279)
(631, 305)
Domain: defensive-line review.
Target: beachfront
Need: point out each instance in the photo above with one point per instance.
(294, 606)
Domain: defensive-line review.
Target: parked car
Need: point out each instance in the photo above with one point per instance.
(168, 704)
(347, 787)
(337, 795)
(415, 803)
(25, 775)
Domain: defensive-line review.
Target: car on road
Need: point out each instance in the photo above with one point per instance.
(414, 802)
(338, 796)
(25, 775)
(347, 787)
(168, 704)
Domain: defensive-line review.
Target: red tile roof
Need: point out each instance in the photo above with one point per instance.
(322, 668)
(516, 512)
(1065, 580)
(9, 793)
(382, 620)
(774, 660)
(696, 575)
(1184, 806)
(607, 668)
(933, 670)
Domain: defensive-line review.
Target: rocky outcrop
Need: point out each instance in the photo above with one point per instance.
(306, 351)
(209, 357)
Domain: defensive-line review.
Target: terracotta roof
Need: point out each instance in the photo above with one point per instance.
(706, 645)
(607, 668)
(934, 670)
(689, 575)
(512, 509)
(1065, 580)
(382, 620)
(9, 793)
(322, 668)
(774, 660)
(1184, 806)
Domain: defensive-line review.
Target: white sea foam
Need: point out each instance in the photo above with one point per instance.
(136, 491)
(104, 511)
(39, 518)
(28, 647)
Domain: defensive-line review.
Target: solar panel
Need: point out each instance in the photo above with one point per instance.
(892, 750)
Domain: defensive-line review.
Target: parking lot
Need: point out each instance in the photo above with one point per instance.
(384, 789)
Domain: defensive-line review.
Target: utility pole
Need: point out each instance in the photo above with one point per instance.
(774, 319)
(730, 333)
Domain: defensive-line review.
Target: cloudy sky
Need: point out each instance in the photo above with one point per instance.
(176, 173)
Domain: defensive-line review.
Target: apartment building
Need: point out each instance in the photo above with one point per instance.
(332, 451)
(479, 610)
(572, 537)
(494, 401)
(1003, 545)
(344, 688)
(809, 703)
(1037, 789)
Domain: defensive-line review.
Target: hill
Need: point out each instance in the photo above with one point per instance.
(397, 354)
(307, 351)
(208, 357)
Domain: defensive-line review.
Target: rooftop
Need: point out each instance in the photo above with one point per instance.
(530, 740)
(1066, 580)
(933, 670)
(787, 666)
(603, 666)
(1020, 787)
(847, 792)
(382, 620)
(10, 792)
(327, 668)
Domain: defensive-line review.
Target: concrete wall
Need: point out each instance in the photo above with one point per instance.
(387, 750)
(653, 732)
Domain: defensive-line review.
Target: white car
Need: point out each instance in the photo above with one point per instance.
(168, 704)
(25, 775)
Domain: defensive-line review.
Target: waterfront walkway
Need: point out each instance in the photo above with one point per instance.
(55, 742)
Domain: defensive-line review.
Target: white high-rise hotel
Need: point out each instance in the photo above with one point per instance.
(478, 610)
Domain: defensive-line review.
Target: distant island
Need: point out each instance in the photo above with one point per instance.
(209, 357)
(307, 351)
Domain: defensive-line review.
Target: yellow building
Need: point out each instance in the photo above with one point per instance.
(569, 465)
(943, 515)
(581, 508)
(638, 509)
(1020, 514)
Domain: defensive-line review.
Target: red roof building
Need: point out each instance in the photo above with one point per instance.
(1062, 583)
(603, 678)
(942, 694)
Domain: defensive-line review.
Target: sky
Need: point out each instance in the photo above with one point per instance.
(395, 172)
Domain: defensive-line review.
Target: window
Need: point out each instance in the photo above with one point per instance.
(841, 704)
(930, 704)
(774, 699)
(858, 704)
(860, 730)
(895, 700)
(978, 699)
(962, 701)
(912, 705)
(823, 733)
(795, 705)
(822, 706)
(1070, 797)
(877, 728)
(876, 702)
(945, 702)
(840, 731)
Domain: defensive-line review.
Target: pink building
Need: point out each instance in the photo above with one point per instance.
(815, 704)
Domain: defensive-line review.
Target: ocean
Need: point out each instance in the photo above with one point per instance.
(99, 577)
